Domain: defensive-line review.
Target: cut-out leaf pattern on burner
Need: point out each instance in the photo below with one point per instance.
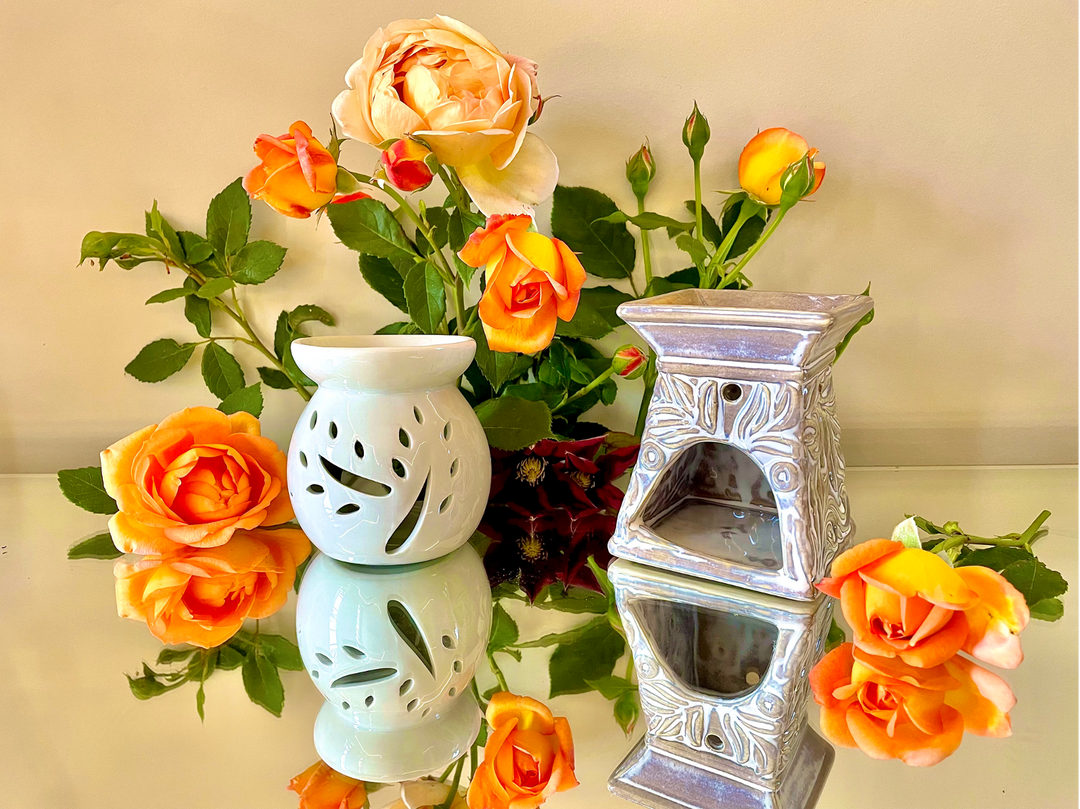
(351, 480)
(369, 676)
(408, 523)
(406, 627)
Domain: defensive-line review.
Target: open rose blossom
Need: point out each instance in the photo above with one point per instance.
(766, 156)
(532, 282)
(529, 756)
(321, 787)
(202, 596)
(909, 603)
(448, 85)
(889, 709)
(193, 480)
(296, 174)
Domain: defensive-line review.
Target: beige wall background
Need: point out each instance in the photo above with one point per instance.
(949, 130)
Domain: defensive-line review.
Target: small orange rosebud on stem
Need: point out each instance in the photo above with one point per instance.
(405, 166)
(629, 362)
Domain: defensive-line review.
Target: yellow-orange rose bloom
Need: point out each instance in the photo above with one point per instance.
(889, 709)
(445, 83)
(532, 282)
(321, 787)
(194, 479)
(909, 603)
(202, 596)
(296, 175)
(766, 156)
(529, 756)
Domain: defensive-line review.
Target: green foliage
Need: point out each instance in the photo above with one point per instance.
(589, 656)
(249, 399)
(865, 320)
(197, 308)
(368, 226)
(257, 262)
(835, 637)
(504, 630)
(167, 295)
(159, 360)
(221, 372)
(605, 300)
(228, 219)
(262, 681)
(496, 366)
(86, 489)
(512, 423)
(426, 297)
(382, 277)
(606, 249)
(273, 378)
(215, 287)
(99, 546)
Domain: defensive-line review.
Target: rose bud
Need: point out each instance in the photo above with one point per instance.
(640, 169)
(405, 166)
(296, 174)
(771, 161)
(349, 197)
(696, 134)
(629, 362)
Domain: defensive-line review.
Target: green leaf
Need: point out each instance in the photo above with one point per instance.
(159, 226)
(215, 287)
(612, 687)
(835, 637)
(196, 248)
(196, 309)
(425, 297)
(907, 534)
(865, 320)
(384, 279)
(605, 300)
(659, 285)
(1035, 581)
(273, 378)
(282, 652)
(257, 262)
(589, 657)
(167, 655)
(96, 244)
(221, 372)
(994, 558)
(587, 322)
(401, 327)
(647, 221)
(310, 313)
(708, 223)
(496, 366)
(159, 360)
(574, 600)
(262, 682)
(569, 636)
(605, 249)
(145, 687)
(85, 488)
(512, 423)
(696, 250)
(504, 630)
(167, 295)
(230, 657)
(537, 392)
(460, 227)
(1049, 609)
(690, 276)
(99, 546)
(249, 399)
(368, 226)
(228, 219)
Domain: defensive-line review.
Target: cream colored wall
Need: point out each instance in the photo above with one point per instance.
(949, 129)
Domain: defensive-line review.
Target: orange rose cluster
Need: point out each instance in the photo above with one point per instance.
(902, 689)
(197, 495)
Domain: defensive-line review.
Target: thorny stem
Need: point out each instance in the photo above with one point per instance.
(453, 786)
(497, 672)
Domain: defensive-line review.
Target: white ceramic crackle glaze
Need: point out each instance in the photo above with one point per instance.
(388, 464)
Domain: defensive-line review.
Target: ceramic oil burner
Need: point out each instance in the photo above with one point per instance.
(393, 650)
(740, 478)
(722, 676)
(388, 464)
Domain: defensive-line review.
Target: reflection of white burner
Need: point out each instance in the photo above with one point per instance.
(745, 536)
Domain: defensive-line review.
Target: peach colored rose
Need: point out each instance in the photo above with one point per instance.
(296, 175)
(766, 156)
(532, 281)
(194, 479)
(202, 596)
(909, 603)
(446, 84)
(321, 787)
(889, 709)
(529, 756)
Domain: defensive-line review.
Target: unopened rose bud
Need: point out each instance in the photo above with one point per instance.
(405, 167)
(777, 161)
(629, 362)
(640, 169)
(696, 134)
(349, 197)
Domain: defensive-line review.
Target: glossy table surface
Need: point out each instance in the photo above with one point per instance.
(73, 736)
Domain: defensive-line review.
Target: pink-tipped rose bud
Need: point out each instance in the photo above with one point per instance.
(405, 166)
(629, 362)
(640, 169)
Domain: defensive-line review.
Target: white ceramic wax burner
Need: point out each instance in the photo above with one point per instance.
(393, 650)
(388, 464)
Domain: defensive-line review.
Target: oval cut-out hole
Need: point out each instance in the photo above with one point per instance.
(303, 460)
(345, 705)
(454, 468)
(412, 705)
(353, 652)
(369, 701)
(326, 661)
(445, 504)
(447, 642)
(315, 674)
(457, 667)
(452, 692)
(714, 741)
(348, 508)
(315, 488)
(333, 429)
(358, 448)
(314, 418)
(409, 632)
(405, 686)
(425, 713)
(403, 438)
(353, 481)
(418, 415)
(369, 676)
(446, 432)
(398, 467)
(407, 525)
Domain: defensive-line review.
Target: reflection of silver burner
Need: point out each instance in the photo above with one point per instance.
(745, 536)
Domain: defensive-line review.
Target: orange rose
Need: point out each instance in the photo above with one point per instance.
(909, 603)
(404, 165)
(193, 480)
(532, 281)
(297, 174)
(202, 596)
(764, 159)
(321, 787)
(889, 709)
(529, 756)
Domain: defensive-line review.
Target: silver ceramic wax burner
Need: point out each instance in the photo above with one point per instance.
(722, 675)
(740, 478)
